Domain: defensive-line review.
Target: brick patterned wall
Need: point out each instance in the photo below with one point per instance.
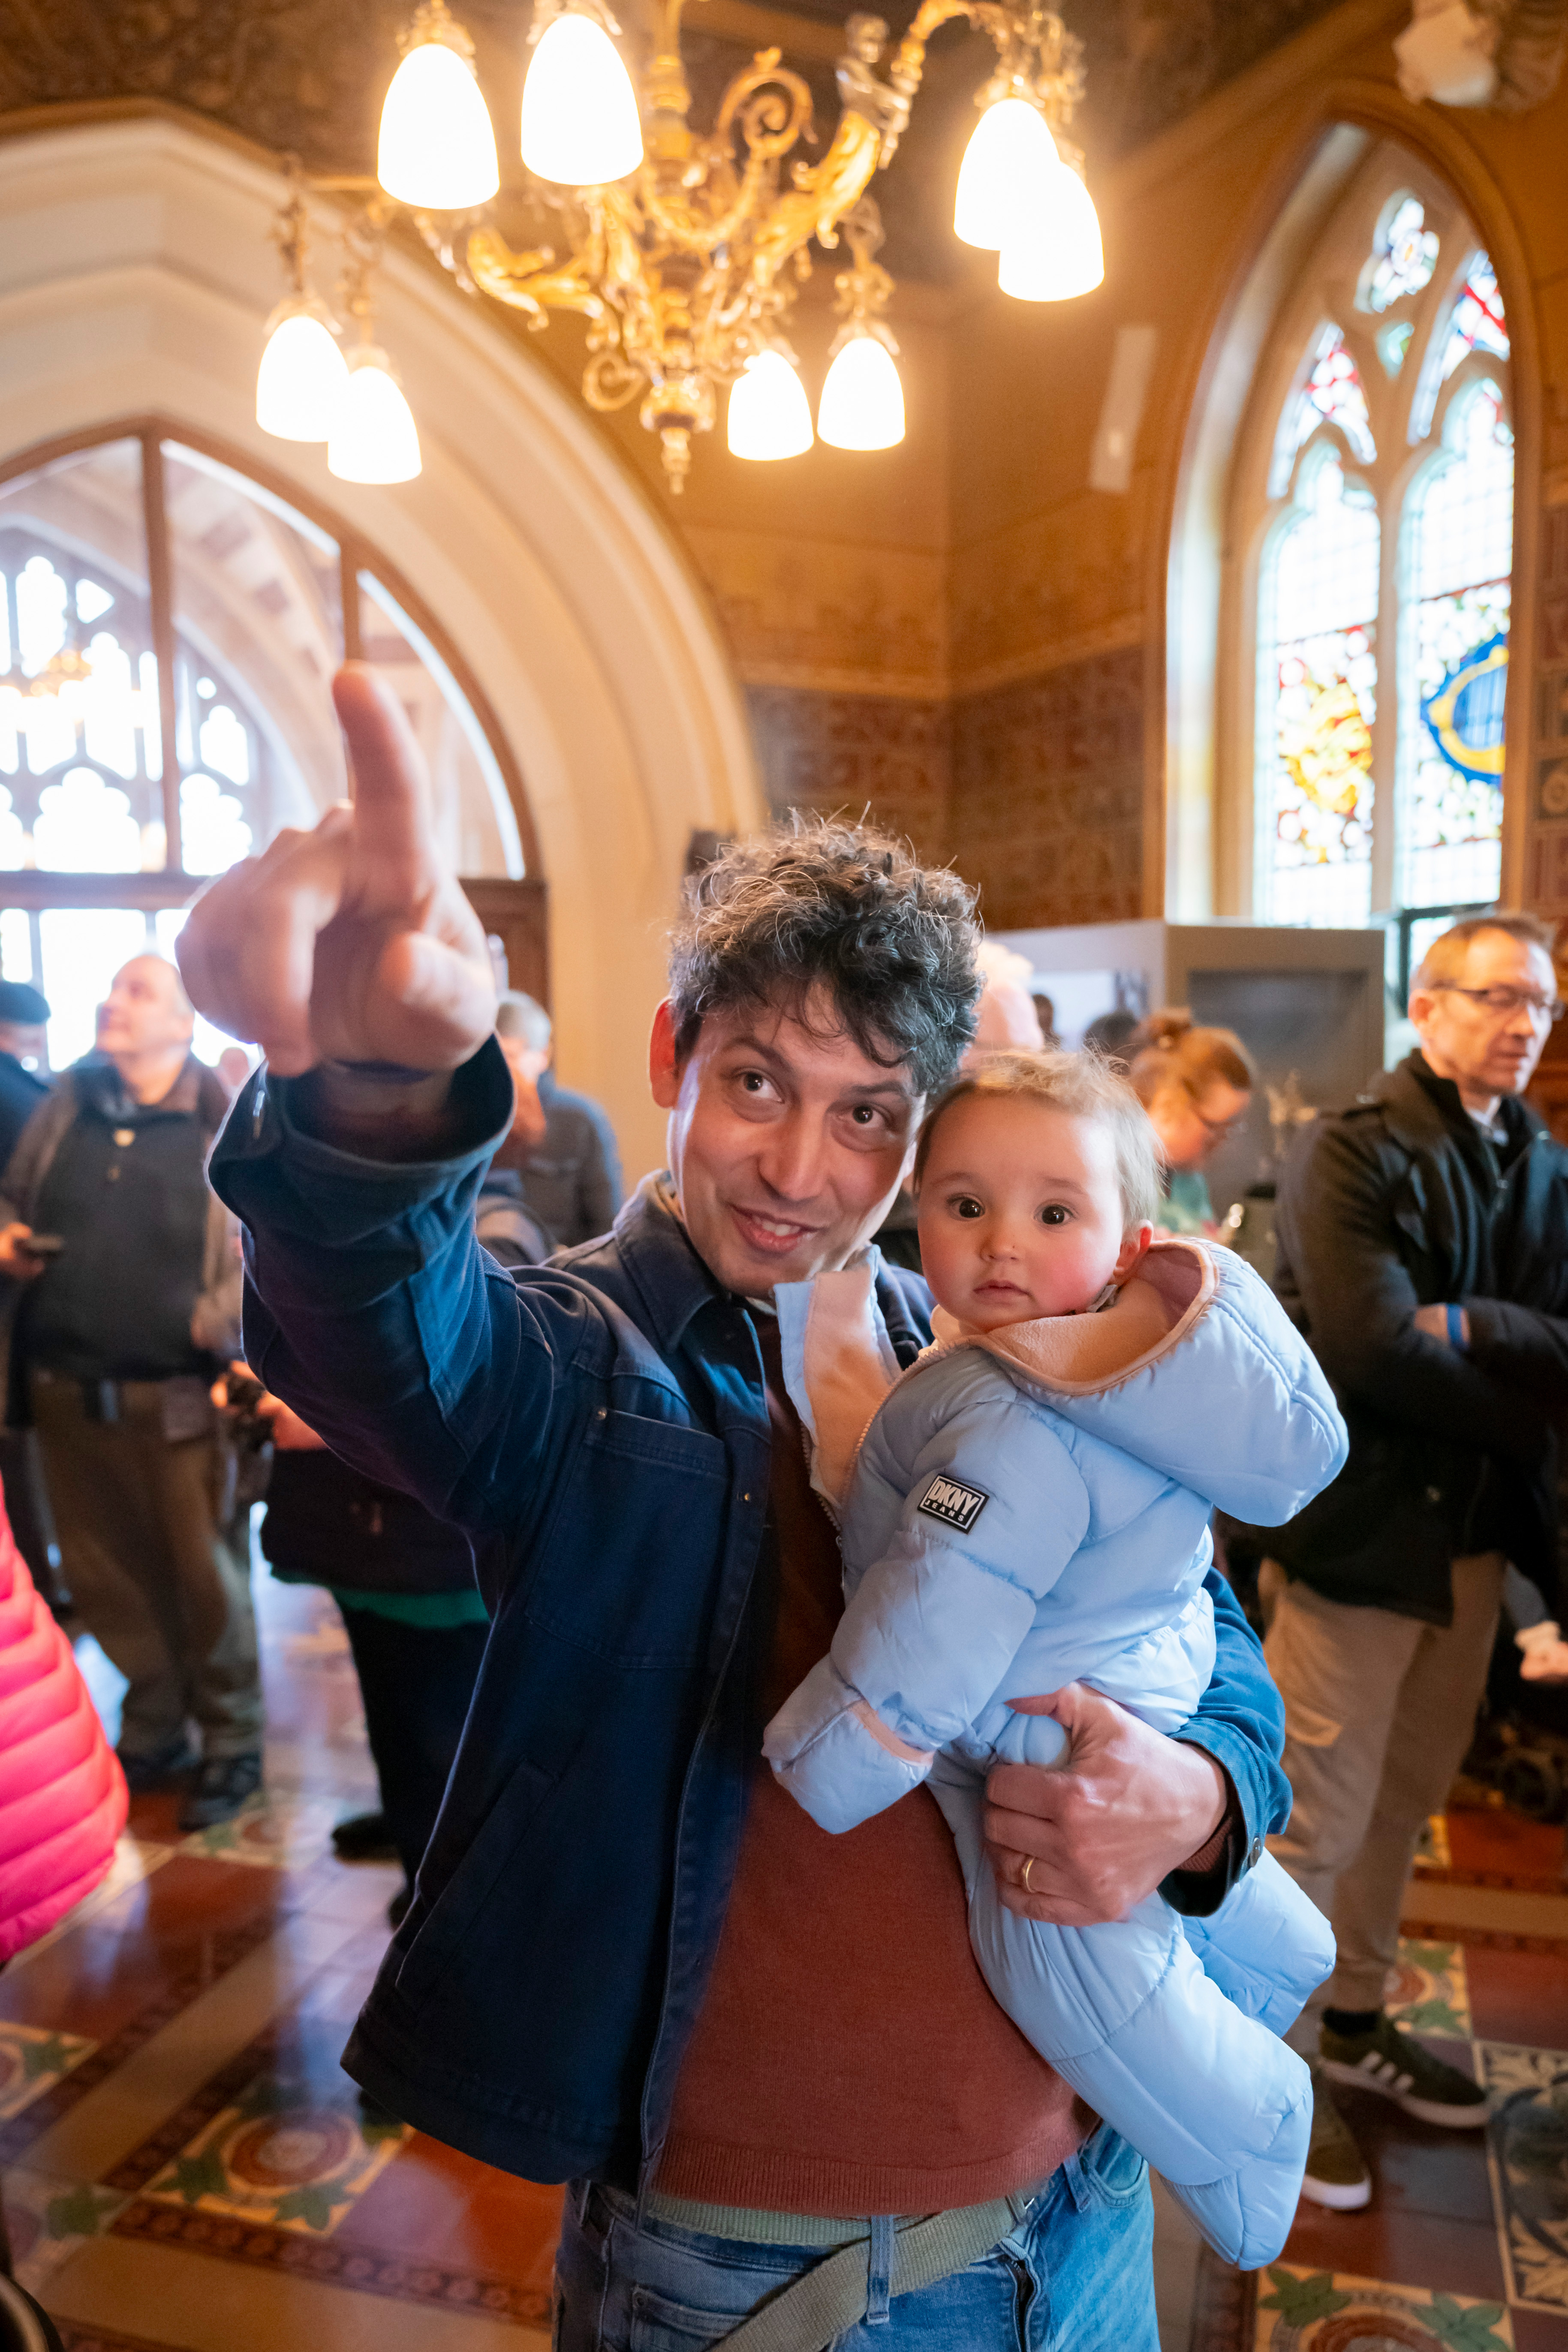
(1048, 794)
(1033, 791)
(849, 753)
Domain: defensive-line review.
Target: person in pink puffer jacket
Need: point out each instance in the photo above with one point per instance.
(62, 1793)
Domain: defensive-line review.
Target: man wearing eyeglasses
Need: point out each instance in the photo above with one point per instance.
(1424, 1251)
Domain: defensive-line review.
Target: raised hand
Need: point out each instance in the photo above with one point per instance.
(352, 943)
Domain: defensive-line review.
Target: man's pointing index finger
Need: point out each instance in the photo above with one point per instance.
(391, 794)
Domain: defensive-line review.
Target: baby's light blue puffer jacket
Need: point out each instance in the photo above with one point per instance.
(1034, 1506)
(1031, 1508)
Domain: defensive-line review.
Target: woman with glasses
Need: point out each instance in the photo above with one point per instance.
(1195, 1085)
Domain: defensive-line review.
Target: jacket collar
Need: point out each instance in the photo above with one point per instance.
(673, 1282)
(1423, 1111)
(655, 1250)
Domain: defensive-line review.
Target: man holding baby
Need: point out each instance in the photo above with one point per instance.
(633, 1962)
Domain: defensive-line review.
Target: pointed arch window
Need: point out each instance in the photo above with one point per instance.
(1384, 547)
(169, 626)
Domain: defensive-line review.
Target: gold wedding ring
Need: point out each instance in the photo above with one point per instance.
(1024, 1875)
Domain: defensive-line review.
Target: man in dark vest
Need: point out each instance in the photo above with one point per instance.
(1423, 1251)
(125, 1282)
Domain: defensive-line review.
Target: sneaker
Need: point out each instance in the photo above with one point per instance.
(224, 1784)
(1397, 2065)
(1336, 2173)
(158, 1767)
(364, 1837)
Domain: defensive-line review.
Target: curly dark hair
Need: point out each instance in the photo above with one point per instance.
(815, 903)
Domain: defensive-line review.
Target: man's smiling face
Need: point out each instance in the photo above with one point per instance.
(786, 1140)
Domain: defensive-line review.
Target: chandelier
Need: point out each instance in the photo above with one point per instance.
(682, 250)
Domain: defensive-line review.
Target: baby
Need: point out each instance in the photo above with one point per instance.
(1029, 1506)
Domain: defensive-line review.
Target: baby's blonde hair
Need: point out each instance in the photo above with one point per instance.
(1085, 1088)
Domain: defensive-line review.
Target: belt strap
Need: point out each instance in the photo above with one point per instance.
(836, 2293)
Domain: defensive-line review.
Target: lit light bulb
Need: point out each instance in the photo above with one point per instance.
(437, 151)
(770, 415)
(580, 124)
(1009, 156)
(374, 437)
(1053, 250)
(302, 371)
(862, 403)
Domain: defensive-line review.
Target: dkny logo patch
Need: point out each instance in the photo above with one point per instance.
(955, 1505)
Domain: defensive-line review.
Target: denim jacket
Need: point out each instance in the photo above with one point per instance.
(599, 1428)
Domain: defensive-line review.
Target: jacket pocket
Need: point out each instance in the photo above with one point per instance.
(507, 1822)
(630, 1567)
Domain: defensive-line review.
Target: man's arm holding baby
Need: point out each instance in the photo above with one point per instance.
(1132, 1811)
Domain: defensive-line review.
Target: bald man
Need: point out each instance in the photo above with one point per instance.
(122, 1270)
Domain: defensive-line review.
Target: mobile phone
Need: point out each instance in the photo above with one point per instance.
(43, 1244)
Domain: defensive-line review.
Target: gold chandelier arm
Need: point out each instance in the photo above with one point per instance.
(535, 282)
(767, 130)
(773, 107)
(1033, 50)
(822, 195)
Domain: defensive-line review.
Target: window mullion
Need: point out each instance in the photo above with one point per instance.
(161, 587)
(1385, 725)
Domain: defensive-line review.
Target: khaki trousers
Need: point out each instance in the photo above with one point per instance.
(155, 1578)
(1379, 1711)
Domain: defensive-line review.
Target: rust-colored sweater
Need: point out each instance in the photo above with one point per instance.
(848, 2058)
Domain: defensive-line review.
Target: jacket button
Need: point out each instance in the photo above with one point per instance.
(602, 1413)
(746, 1497)
(1434, 1494)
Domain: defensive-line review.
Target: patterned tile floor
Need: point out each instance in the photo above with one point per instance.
(1464, 2245)
(186, 2167)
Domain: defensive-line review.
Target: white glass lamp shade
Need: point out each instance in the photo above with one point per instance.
(374, 437)
(1004, 168)
(1053, 250)
(770, 415)
(302, 371)
(438, 150)
(862, 403)
(580, 123)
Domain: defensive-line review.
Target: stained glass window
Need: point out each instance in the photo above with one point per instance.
(1476, 324)
(1457, 556)
(1330, 392)
(1391, 345)
(1317, 699)
(1385, 551)
(1404, 256)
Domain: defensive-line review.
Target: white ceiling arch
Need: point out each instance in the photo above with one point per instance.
(135, 273)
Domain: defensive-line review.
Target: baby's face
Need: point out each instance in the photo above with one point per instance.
(1020, 1212)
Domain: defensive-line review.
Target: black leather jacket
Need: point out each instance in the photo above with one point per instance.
(1401, 1201)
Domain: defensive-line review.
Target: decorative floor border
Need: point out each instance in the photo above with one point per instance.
(1513, 1882)
(329, 2263)
(364, 2270)
(1482, 1939)
(218, 1955)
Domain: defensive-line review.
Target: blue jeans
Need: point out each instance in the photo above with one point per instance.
(1074, 2275)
